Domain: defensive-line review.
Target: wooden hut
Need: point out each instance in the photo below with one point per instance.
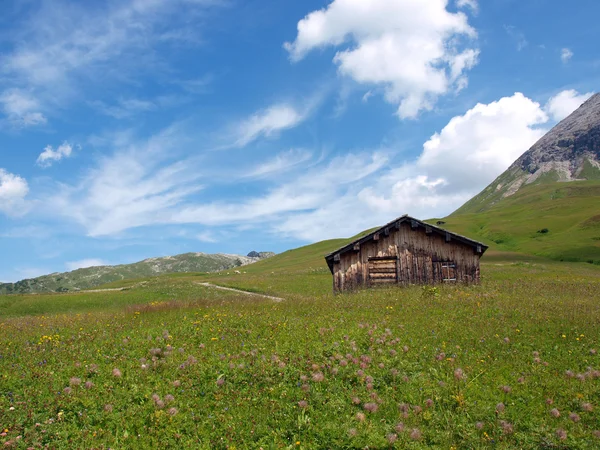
(405, 251)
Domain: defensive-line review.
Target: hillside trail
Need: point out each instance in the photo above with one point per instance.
(239, 291)
(104, 290)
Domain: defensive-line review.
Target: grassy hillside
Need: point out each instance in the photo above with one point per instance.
(95, 276)
(570, 212)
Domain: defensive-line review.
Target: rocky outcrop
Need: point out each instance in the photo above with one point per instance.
(567, 146)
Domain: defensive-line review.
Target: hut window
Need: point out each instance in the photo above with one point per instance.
(448, 271)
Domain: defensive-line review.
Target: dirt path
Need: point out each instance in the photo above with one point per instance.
(104, 290)
(239, 291)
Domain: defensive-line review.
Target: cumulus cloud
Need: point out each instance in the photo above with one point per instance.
(84, 264)
(50, 155)
(13, 190)
(21, 108)
(565, 102)
(474, 148)
(566, 55)
(415, 50)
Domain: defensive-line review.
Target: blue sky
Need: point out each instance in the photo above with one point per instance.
(139, 128)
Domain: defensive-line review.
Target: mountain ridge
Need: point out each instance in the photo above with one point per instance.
(90, 277)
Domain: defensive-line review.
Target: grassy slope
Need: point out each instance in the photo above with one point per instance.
(262, 350)
(570, 211)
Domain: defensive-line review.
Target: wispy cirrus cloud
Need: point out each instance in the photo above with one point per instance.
(267, 123)
(281, 163)
(207, 237)
(517, 36)
(309, 190)
(64, 46)
(21, 108)
(135, 184)
(145, 183)
(124, 108)
(150, 182)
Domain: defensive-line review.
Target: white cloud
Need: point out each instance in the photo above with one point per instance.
(140, 185)
(516, 36)
(414, 49)
(566, 55)
(456, 163)
(472, 149)
(84, 264)
(135, 185)
(267, 123)
(124, 108)
(49, 155)
(63, 38)
(196, 85)
(281, 163)
(63, 46)
(468, 4)
(565, 102)
(21, 108)
(311, 189)
(13, 190)
(207, 236)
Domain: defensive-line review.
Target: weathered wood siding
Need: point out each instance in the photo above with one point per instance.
(420, 256)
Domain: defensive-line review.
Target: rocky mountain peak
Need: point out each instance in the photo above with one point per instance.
(568, 152)
(567, 145)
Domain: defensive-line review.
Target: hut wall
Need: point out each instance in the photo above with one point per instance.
(420, 259)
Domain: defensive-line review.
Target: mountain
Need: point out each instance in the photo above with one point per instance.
(568, 152)
(547, 202)
(95, 276)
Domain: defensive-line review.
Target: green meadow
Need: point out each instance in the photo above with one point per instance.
(167, 363)
(560, 221)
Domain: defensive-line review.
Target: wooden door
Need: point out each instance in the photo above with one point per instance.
(383, 270)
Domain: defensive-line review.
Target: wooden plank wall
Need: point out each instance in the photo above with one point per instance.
(417, 253)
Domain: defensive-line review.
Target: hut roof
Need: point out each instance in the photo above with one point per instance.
(414, 223)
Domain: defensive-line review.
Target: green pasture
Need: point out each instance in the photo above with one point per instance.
(167, 363)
